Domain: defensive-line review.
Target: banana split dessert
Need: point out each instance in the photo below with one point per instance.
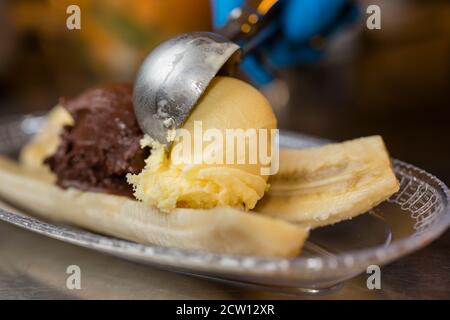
(92, 166)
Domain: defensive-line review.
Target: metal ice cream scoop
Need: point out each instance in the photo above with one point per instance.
(177, 72)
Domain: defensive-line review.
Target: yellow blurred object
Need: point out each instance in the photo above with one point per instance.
(115, 35)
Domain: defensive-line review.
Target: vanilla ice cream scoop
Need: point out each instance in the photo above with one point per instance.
(219, 155)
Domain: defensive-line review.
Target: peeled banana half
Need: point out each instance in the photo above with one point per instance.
(321, 186)
(222, 230)
(314, 187)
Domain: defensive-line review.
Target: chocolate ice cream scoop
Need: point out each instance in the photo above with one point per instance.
(102, 147)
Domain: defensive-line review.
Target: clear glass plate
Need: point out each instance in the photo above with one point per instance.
(409, 220)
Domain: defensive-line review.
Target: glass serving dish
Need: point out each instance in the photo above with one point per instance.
(413, 217)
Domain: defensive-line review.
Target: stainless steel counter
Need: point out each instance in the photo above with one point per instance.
(34, 267)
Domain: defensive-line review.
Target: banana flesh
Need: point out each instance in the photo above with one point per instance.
(45, 143)
(221, 230)
(324, 185)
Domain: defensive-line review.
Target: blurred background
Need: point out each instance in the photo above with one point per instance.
(394, 81)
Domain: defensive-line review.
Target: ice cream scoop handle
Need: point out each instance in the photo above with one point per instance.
(251, 24)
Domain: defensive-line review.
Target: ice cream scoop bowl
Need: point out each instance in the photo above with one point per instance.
(174, 76)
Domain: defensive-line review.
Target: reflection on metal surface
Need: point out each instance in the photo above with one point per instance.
(174, 76)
